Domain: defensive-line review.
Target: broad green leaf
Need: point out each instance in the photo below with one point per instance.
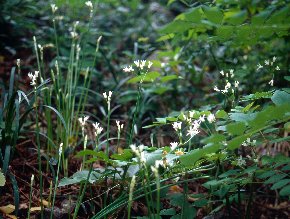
(125, 156)
(287, 78)
(153, 156)
(79, 177)
(260, 18)
(149, 77)
(257, 95)
(275, 178)
(193, 156)
(165, 37)
(176, 199)
(201, 202)
(214, 139)
(281, 97)
(285, 191)
(242, 117)
(169, 211)
(193, 15)
(237, 128)
(176, 26)
(225, 32)
(279, 16)
(237, 142)
(221, 114)
(280, 184)
(168, 78)
(215, 15)
(237, 18)
(267, 174)
(229, 173)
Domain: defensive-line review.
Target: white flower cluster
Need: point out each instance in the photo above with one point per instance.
(53, 8)
(193, 129)
(139, 64)
(241, 162)
(83, 122)
(228, 86)
(18, 63)
(98, 128)
(248, 142)
(119, 126)
(33, 77)
(268, 63)
(177, 126)
(32, 180)
(173, 145)
(139, 152)
(194, 125)
(60, 149)
(74, 33)
(108, 96)
(89, 4)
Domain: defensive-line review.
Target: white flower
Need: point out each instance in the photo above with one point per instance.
(271, 83)
(259, 66)
(98, 128)
(53, 8)
(137, 63)
(191, 113)
(192, 131)
(232, 73)
(241, 161)
(128, 69)
(237, 84)
(60, 149)
(32, 178)
(143, 63)
(177, 125)
(274, 58)
(89, 4)
(83, 121)
(228, 85)
(150, 64)
(173, 145)
(222, 73)
(196, 124)
(142, 157)
(33, 77)
(267, 62)
(201, 118)
(74, 34)
(134, 148)
(159, 163)
(120, 126)
(277, 68)
(216, 89)
(108, 96)
(18, 62)
(211, 118)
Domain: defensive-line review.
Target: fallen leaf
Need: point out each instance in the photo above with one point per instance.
(11, 216)
(175, 189)
(8, 209)
(45, 203)
(35, 209)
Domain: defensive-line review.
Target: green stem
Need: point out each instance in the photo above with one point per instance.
(38, 153)
(82, 193)
(55, 187)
